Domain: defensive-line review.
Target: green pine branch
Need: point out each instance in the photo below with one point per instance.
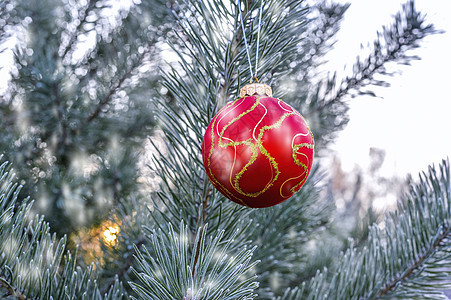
(207, 269)
(407, 259)
(326, 108)
(282, 233)
(211, 68)
(32, 260)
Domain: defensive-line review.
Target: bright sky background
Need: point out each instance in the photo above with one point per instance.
(412, 118)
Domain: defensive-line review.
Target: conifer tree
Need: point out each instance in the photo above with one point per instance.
(185, 240)
(83, 74)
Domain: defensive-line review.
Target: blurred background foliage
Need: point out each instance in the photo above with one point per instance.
(78, 106)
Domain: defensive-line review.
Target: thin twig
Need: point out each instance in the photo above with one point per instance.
(107, 97)
(117, 86)
(205, 204)
(7, 286)
(61, 119)
(196, 256)
(11, 290)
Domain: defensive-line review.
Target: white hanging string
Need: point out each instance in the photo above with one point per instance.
(253, 75)
(258, 38)
(245, 39)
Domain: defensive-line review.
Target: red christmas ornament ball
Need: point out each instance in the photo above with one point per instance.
(258, 150)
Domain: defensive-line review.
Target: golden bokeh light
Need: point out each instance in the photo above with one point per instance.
(94, 242)
(110, 234)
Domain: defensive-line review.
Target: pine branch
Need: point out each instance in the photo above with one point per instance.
(144, 51)
(282, 234)
(406, 259)
(208, 270)
(391, 46)
(61, 109)
(324, 104)
(131, 68)
(109, 95)
(212, 66)
(441, 240)
(32, 261)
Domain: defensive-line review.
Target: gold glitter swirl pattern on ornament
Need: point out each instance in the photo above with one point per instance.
(255, 145)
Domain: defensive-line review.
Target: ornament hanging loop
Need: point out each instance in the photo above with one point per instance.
(254, 77)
